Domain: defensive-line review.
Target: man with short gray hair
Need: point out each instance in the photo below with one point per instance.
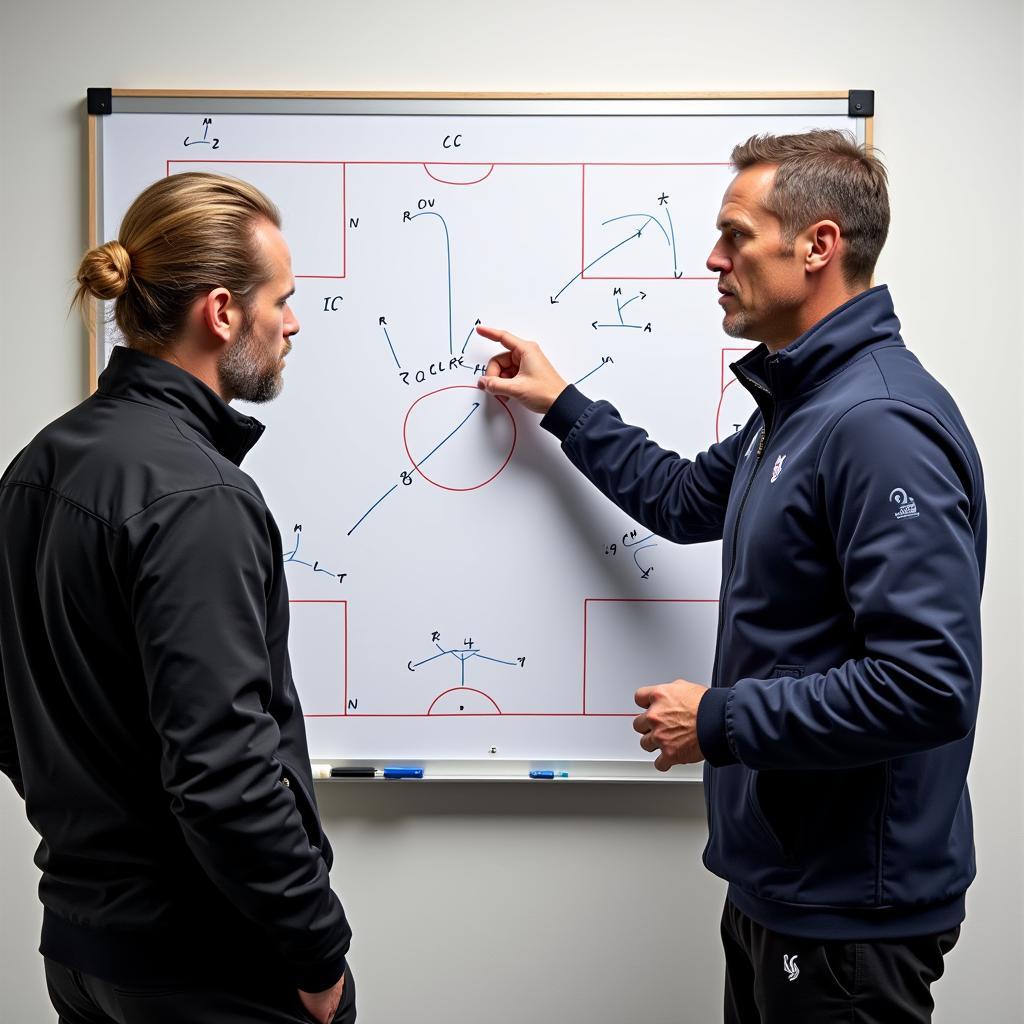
(838, 727)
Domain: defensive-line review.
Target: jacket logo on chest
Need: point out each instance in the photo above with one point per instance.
(777, 468)
(907, 507)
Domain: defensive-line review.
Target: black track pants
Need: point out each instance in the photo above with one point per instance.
(82, 999)
(778, 979)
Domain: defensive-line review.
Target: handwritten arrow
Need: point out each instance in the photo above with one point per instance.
(448, 247)
(636, 234)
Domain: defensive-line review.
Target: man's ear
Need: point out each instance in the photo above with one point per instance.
(821, 242)
(219, 313)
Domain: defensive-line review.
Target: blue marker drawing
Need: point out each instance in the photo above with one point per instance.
(636, 234)
(448, 248)
(462, 654)
(645, 573)
(675, 261)
(370, 509)
(204, 141)
(406, 476)
(594, 370)
(293, 556)
(390, 346)
(649, 216)
(626, 543)
(476, 405)
(619, 307)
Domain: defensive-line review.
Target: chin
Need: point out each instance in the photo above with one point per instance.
(735, 327)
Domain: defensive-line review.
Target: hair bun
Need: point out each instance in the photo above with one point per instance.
(105, 270)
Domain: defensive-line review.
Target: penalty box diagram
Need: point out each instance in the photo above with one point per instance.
(624, 221)
(461, 698)
(627, 643)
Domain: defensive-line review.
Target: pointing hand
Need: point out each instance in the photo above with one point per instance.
(523, 372)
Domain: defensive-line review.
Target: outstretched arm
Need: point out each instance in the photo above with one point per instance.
(680, 499)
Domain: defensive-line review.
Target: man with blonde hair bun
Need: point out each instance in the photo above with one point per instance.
(838, 726)
(147, 711)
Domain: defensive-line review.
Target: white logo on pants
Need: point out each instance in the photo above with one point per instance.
(789, 964)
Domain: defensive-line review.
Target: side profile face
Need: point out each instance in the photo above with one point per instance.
(762, 281)
(251, 367)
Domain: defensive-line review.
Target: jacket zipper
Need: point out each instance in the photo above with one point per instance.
(761, 445)
(883, 819)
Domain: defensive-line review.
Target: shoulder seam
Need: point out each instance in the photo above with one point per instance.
(909, 405)
(881, 373)
(63, 497)
(189, 440)
(192, 490)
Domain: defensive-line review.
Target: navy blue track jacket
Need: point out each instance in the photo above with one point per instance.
(839, 728)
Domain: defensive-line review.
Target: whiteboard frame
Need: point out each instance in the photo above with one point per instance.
(490, 104)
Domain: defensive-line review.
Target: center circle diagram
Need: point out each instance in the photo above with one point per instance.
(459, 438)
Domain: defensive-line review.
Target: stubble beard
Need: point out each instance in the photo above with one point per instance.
(245, 373)
(736, 326)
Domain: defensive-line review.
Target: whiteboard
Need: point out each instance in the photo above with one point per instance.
(461, 598)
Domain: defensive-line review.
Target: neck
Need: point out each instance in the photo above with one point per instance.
(808, 313)
(202, 366)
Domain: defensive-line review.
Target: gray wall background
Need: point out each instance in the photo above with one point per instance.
(507, 903)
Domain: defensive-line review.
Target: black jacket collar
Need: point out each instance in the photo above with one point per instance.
(865, 321)
(138, 377)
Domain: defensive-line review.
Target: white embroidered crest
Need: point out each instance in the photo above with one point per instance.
(907, 507)
(777, 468)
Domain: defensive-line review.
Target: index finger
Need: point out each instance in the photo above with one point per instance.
(511, 341)
(645, 696)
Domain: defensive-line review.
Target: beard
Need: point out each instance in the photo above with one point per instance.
(246, 370)
(737, 326)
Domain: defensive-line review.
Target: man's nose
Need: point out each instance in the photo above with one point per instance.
(718, 262)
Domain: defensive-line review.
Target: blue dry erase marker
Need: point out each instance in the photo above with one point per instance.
(546, 774)
(403, 773)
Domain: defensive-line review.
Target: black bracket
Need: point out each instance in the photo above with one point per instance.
(100, 101)
(862, 103)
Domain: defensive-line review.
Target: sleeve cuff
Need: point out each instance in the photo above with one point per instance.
(320, 977)
(564, 412)
(712, 727)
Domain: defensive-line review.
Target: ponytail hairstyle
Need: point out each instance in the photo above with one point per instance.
(182, 237)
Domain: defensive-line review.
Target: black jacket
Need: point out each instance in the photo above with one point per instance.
(147, 710)
(839, 727)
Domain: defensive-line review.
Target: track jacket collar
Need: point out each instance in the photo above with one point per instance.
(867, 320)
(149, 380)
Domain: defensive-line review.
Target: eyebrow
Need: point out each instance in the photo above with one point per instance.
(288, 295)
(732, 222)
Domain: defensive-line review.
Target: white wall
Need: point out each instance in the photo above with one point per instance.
(585, 902)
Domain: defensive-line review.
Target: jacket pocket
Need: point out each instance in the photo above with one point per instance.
(754, 803)
(828, 824)
(304, 803)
